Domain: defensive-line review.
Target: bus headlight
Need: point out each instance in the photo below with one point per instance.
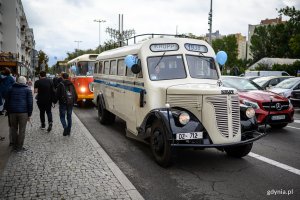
(250, 112)
(82, 89)
(184, 118)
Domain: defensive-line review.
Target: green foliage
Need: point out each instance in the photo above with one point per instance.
(278, 41)
(230, 46)
(262, 67)
(291, 69)
(42, 60)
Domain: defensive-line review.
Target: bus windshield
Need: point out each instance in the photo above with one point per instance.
(166, 67)
(201, 67)
(85, 68)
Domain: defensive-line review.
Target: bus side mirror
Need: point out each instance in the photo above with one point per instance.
(136, 68)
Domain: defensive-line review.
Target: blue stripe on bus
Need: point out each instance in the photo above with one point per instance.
(117, 85)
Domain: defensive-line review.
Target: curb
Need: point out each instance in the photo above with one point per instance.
(124, 181)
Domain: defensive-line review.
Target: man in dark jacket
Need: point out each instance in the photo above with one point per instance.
(19, 103)
(64, 105)
(44, 89)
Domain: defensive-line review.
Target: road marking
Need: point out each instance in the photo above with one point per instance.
(297, 121)
(275, 163)
(293, 127)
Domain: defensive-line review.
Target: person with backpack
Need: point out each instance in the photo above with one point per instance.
(67, 96)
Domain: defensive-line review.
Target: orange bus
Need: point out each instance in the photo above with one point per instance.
(81, 69)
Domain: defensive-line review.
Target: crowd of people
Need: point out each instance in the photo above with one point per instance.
(16, 102)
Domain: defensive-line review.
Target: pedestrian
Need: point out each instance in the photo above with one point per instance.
(6, 82)
(44, 89)
(67, 96)
(19, 104)
(57, 79)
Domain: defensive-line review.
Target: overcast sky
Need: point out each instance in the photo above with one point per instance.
(58, 23)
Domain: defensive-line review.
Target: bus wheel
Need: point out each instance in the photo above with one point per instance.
(239, 151)
(104, 116)
(160, 144)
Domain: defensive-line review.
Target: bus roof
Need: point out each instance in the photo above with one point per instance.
(84, 57)
(135, 48)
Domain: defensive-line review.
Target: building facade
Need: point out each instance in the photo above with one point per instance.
(15, 34)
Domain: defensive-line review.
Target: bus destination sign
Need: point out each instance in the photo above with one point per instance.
(196, 47)
(164, 47)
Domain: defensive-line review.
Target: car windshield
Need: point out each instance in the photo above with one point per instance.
(85, 68)
(166, 67)
(262, 80)
(202, 67)
(240, 84)
(287, 84)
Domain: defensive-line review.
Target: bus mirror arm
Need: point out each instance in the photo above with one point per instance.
(142, 98)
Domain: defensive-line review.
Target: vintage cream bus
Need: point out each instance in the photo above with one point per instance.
(172, 97)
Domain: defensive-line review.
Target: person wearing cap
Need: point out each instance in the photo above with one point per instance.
(19, 105)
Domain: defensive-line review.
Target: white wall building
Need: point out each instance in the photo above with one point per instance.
(15, 34)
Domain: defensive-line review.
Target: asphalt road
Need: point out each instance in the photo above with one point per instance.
(205, 174)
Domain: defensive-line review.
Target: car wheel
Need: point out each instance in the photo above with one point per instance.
(160, 145)
(104, 116)
(279, 126)
(238, 151)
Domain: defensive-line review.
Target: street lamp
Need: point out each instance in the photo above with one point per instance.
(77, 41)
(99, 21)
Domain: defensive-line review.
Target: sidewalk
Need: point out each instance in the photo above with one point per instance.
(58, 167)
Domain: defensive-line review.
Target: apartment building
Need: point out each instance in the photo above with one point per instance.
(15, 34)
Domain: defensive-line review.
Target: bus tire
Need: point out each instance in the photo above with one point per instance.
(160, 145)
(239, 151)
(104, 116)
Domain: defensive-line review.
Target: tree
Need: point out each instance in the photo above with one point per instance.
(42, 61)
(281, 40)
(230, 46)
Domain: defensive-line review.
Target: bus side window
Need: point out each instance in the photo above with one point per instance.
(100, 67)
(129, 72)
(113, 67)
(121, 67)
(96, 68)
(106, 67)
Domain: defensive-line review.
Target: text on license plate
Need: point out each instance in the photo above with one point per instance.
(189, 136)
(278, 117)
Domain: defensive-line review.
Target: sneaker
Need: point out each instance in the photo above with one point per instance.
(68, 131)
(49, 127)
(43, 127)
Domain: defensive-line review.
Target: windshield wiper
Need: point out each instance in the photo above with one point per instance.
(159, 60)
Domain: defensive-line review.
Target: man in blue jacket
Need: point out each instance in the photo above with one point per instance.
(19, 105)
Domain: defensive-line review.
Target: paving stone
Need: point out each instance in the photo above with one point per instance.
(58, 167)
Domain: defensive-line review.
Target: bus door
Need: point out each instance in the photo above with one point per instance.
(119, 93)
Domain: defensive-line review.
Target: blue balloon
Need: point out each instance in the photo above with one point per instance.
(73, 68)
(130, 60)
(221, 57)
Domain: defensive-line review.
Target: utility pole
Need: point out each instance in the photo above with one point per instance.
(210, 22)
(120, 35)
(99, 21)
(77, 41)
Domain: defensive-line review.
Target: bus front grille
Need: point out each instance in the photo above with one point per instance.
(227, 114)
(189, 101)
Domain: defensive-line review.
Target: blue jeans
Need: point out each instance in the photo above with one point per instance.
(63, 108)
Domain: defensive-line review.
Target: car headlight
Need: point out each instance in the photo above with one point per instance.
(250, 112)
(184, 118)
(82, 89)
(290, 103)
(251, 104)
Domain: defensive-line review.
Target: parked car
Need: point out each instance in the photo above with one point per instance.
(295, 98)
(286, 87)
(266, 73)
(267, 82)
(251, 78)
(276, 109)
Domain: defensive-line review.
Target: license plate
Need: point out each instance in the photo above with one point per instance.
(189, 136)
(278, 117)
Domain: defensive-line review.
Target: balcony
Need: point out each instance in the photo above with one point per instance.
(1, 18)
(1, 36)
